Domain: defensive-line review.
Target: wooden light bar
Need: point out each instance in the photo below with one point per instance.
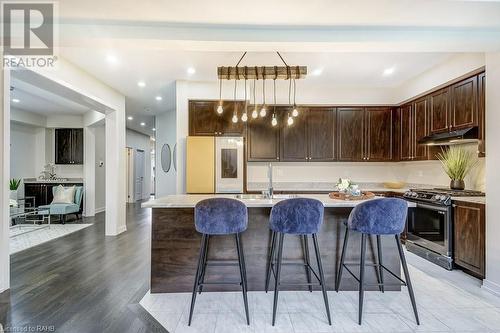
(261, 72)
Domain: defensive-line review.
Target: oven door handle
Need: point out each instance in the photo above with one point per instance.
(431, 207)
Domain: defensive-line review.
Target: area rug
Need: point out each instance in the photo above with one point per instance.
(20, 241)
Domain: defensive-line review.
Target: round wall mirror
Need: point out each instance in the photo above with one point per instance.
(166, 159)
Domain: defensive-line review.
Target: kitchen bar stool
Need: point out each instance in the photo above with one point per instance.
(303, 217)
(386, 216)
(219, 216)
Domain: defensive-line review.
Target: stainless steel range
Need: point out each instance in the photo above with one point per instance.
(430, 223)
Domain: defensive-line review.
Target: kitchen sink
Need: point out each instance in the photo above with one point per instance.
(262, 197)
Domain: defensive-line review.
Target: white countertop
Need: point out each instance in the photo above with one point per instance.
(190, 200)
(50, 181)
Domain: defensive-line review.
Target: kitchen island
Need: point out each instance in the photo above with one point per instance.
(175, 246)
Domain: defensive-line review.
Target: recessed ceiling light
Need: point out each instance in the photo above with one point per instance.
(112, 59)
(154, 129)
(158, 98)
(317, 72)
(141, 84)
(389, 71)
(191, 70)
(143, 124)
(15, 100)
(130, 118)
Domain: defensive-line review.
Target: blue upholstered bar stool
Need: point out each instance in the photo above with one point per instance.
(219, 216)
(302, 217)
(385, 216)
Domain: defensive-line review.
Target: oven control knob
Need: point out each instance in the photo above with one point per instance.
(414, 194)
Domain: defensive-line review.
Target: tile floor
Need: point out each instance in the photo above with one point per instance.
(447, 302)
(26, 240)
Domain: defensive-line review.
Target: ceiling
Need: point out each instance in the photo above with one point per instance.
(415, 13)
(38, 100)
(159, 69)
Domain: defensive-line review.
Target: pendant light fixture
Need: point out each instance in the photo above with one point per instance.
(244, 116)
(235, 113)
(290, 120)
(220, 109)
(255, 114)
(263, 111)
(274, 121)
(295, 112)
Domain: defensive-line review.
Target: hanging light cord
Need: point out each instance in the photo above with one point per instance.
(294, 92)
(264, 91)
(274, 106)
(220, 90)
(254, 100)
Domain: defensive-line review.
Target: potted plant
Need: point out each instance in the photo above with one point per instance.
(457, 163)
(14, 185)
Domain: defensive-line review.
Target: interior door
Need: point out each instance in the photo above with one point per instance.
(139, 174)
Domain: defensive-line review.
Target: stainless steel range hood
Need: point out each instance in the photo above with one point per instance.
(466, 135)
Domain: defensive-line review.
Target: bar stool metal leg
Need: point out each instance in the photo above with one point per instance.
(271, 259)
(362, 277)
(380, 264)
(277, 277)
(342, 258)
(407, 278)
(197, 276)
(243, 275)
(307, 260)
(204, 264)
(322, 277)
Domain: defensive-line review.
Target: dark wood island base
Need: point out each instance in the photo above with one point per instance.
(175, 249)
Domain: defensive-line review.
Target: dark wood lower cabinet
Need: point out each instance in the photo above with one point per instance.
(469, 236)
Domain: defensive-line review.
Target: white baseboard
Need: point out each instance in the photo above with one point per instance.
(100, 210)
(491, 287)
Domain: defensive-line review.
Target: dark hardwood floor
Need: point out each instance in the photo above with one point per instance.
(85, 281)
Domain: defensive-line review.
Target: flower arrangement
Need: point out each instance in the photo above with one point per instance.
(345, 185)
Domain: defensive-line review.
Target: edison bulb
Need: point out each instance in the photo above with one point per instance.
(220, 109)
(295, 112)
(274, 122)
(244, 117)
(255, 114)
(235, 118)
(263, 112)
(290, 120)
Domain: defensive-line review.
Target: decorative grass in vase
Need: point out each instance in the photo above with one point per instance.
(457, 163)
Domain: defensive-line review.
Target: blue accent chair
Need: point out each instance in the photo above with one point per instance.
(302, 217)
(63, 209)
(216, 217)
(379, 217)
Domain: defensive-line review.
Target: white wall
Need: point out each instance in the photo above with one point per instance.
(166, 133)
(100, 172)
(141, 141)
(22, 151)
(492, 281)
(4, 176)
(451, 69)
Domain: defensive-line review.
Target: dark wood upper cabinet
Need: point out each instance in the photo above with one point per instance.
(203, 118)
(63, 145)
(464, 104)
(420, 128)
(205, 121)
(226, 125)
(68, 146)
(440, 111)
(406, 132)
(351, 129)
(321, 131)
(482, 113)
(469, 234)
(263, 140)
(293, 138)
(378, 140)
